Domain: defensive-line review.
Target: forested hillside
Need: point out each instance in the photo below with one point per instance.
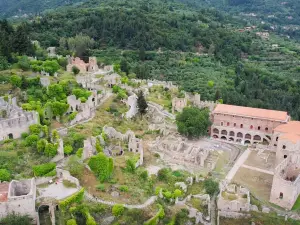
(10, 8)
(200, 49)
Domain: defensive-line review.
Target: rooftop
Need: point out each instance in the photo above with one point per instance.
(291, 137)
(3, 191)
(251, 112)
(292, 127)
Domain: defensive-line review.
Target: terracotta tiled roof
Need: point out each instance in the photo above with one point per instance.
(251, 112)
(3, 191)
(290, 127)
(291, 137)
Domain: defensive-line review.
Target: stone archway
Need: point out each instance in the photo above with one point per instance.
(231, 133)
(240, 135)
(247, 142)
(231, 139)
(239, 140)
(247, 136)
(224, 132)
(10, 136)
(215, 131)
(224, 138)
(257, 138)
(215, 136)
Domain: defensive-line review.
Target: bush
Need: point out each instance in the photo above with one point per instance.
(68, 149)
(144, 175)
(130, 165)
(167, 194)
(177, 193)
(79, 152)
(159, 215)
(76, 198)
(71, 222)
(4, 175)
(101, 165)
(100, 187)
(31, 140)
(75, 167)
(24, 135)
(43, 169)
(72, 116)
(163, 174)
(123, 188)
(117, 210)
(75, 70)
(15, 219)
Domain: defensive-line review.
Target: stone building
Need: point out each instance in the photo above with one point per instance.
(286, 182)
(178, 104)
(84, 67)
(233, 198)
(13, 120)
(244, 124)
(18, 197)
(133, 107)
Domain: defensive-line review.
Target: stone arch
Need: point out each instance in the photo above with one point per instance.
(265, 141)
(215, 136)
(223, 138)
(224, 132)
(257, 138)
(247, 142)
(248, 136)
(10, 136)
(231, 133)
(239, 134)
(215, 131)
(231, 139)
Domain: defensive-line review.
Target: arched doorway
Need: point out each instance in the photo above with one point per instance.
(240, 135)
(248, 136)
(215, 131)
(223, 138)
(257, 138)
(231, 133)
(215, 136)
(247, 142)
(239, 140)
(231, 139)
(10, 136)
(224, 132)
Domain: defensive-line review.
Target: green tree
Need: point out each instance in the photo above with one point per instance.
(193, 122)
(51, 149)
(16, 81)
(3, 63)
(14, 219)
(4, 175)
(118, 210)
(68, 149)
(80, 44)
(32, 140)
(98, 146)
(124, 66)
(75, 70)
(177, 193)
(101, 166)
(41, 145)
(71, 222)
(24, 63)
(211, 186)
(141, 103)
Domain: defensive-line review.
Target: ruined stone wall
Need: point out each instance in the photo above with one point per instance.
(284, 192)
(24, 205)
(285, 148)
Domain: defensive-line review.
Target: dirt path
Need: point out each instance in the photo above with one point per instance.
(213, 210)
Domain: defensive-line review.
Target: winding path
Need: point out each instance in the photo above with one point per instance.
(150, 201)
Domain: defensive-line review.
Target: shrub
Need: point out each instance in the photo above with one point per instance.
(75, 70)
(117, 210)
(100, 187)
(72, 116)
(167, 194)
(159, 215)
(144, 175)
(41, 145)
(123, 188)
(76, 198)
(36, 129)
(51, 149)
(31, 140)
(130, 165)
(24, 135)
(71, 222)
(68, 149)
(75, 167)
(79, 152)
(98, 146)
(43, 169)
(177, 193)
(4, 175)
(163, 174)
(101, 166)
(69, 184)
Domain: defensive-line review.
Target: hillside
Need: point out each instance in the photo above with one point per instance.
(10, 8)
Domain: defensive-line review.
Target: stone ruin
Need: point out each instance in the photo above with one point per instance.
(14, 120)
(233, 198)
(176, 149)
(18, 197)
(84, 67)
(178, 104)
(51, 52)
(133, 108)
(286, 182)
(45, 81)
(84, 110)
(112, 79)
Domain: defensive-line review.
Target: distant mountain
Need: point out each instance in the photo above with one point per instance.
(10, 8)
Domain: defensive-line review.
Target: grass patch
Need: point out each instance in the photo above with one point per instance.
(69, 184)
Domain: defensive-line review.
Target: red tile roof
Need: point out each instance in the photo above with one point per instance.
(3, 191)
(290, 127)
(251, 112)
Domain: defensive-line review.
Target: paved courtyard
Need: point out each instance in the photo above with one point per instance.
(57, 191)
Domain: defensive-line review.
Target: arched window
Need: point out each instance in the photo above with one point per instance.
(283, 147)
(242, 125)
(251, 127)
(221, 123)
(285, 156)
(258, 128)
(228, 123)
(234, 124)
(281, 195)
(277, 139)
(266, 129)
